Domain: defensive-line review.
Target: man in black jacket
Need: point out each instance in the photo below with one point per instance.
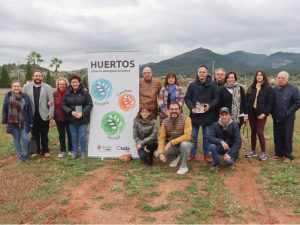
(201, 98)
(286, 103)
(225, 138)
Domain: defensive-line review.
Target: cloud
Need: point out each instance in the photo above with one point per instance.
(67, 29)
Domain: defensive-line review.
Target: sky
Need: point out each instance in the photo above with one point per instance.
(158, 29)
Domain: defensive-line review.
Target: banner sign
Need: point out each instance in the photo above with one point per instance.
(114, 87)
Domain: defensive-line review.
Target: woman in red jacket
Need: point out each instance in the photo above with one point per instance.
(60, 118)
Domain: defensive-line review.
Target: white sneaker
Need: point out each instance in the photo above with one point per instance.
(182, 170)
(156, 154)
(175, 162)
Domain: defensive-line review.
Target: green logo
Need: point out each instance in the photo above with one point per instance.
(113, 123)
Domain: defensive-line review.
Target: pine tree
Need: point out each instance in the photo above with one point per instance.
(28, 75)
(85, 82)
(48, 78)
(4, 79)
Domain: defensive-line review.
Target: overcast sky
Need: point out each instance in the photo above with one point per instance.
(159, 29)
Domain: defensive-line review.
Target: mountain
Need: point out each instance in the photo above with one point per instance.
(238, 61)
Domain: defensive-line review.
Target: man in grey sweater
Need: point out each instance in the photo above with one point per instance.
(41, 99)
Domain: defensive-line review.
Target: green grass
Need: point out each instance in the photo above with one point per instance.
(97, 197)
(148, 208)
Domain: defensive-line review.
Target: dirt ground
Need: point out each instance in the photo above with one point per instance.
(93, 201)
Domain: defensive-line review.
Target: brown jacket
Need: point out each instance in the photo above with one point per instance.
(149, 92)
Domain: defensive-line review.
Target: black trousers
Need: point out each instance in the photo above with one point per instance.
(63, 128)
(283, 138)
(145, 156)
(40, 132)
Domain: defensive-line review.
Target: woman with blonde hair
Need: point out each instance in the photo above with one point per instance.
(60, 117)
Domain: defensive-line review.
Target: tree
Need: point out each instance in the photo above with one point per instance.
(34, 58)
(48, 78)
(55, 62)
(28, 75)
(85, 82)
(4, 78)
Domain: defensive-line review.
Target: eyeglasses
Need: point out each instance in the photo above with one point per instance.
(62, 84)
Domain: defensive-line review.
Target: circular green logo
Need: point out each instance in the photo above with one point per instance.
(113, 123)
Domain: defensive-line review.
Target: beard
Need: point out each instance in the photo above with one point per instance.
(37, 81)
(174, 115)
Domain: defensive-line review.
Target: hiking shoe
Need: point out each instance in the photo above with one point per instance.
(175, 162)
(287, 160)
(263, 156)
(156, 154)
(47, 155)
(276, 157)
(72, 155)
(191, 157)
(251, 154)
(61, 154)
(83, 156)
(208, 158)
(182, 170)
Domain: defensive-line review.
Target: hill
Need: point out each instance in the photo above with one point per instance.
(239, 61)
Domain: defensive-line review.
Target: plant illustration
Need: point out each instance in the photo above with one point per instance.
(126, 101)
(101, 89)
(113, 123)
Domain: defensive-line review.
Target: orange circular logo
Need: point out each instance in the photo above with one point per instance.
(126, 101)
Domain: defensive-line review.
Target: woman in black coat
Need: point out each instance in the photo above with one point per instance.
(232, 96)
(259, 102)
(77, 104)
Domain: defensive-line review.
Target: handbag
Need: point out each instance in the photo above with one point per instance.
(33, 147)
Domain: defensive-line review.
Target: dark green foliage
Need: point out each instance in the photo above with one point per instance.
(28, 75)
(49, 79)
(85, 82)
(4, 78)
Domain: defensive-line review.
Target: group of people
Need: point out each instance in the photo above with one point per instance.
(219, 107)
(32, 108)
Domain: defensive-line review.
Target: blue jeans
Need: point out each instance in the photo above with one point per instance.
(205, 133)
(18, 135)
(217, 150)
(79, 132)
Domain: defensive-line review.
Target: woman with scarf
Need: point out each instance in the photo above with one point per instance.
(259, 102)
(170, 92)
(145, 131)
(60, 117)
(232, 96)
(17, 115)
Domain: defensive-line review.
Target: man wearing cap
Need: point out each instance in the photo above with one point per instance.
(224, 138)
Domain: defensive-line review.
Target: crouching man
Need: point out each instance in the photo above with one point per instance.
(174, 141)
(224, 138)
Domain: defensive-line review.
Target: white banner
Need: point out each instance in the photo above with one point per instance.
(114, 87)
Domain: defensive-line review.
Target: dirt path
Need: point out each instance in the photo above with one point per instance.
(254, 200)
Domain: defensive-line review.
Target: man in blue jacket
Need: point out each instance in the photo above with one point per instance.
(225, 138)
(201, 98)
(286, 103)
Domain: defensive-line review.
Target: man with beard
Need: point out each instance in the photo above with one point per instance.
(41, 99)
(224, 138)
(149, 91)
(174, 141)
